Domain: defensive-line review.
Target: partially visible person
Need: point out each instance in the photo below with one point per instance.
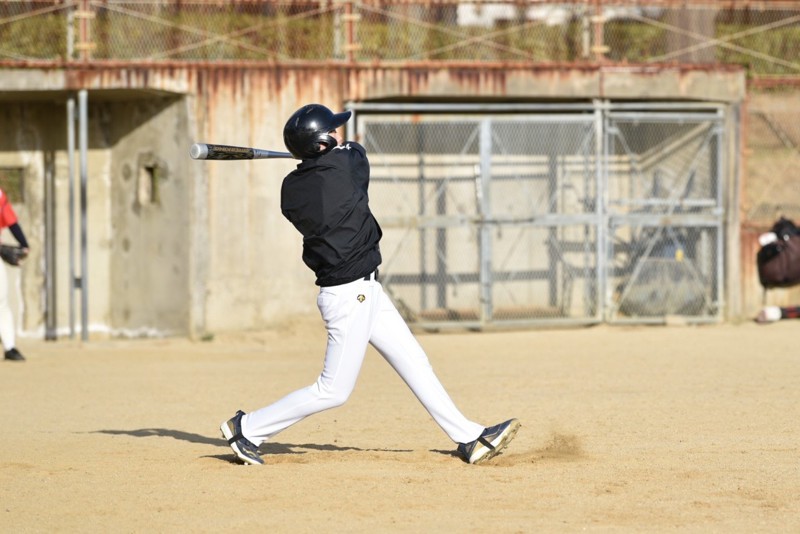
(8, 219)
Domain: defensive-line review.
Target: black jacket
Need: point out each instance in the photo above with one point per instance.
(326, 199)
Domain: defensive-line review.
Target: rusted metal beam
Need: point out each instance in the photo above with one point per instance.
(770, 82)
(101, 64)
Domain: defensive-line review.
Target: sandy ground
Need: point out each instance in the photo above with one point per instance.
(645, 429)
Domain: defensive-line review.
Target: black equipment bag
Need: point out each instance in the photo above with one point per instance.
(779, 262)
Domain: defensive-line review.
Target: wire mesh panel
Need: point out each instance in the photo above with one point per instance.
(664, 191)
(544, 273)
(486, 219)
(762, 37)
(423, 177)
(575, 214)
(541, 182)
(473, 31)
(661, 271)
(212, 30)
(34, 29)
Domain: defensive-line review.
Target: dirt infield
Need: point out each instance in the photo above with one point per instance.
(624, 429)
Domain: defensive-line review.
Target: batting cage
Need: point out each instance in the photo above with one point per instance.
(549, 213)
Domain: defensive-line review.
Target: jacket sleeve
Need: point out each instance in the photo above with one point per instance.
(19, 235)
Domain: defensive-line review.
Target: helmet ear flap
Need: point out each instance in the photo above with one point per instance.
(326, 143)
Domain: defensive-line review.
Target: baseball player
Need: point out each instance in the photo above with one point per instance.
(326, 199)
(8, 219)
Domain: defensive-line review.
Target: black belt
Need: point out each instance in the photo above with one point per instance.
(369, 276)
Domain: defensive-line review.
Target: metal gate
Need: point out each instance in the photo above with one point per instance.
(502, 215)
(665, 215)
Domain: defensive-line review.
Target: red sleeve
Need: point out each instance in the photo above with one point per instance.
(7, 215)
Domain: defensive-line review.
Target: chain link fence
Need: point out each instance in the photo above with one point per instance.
(548, 214)
(665, 199)
(487, 219)
(763, 37)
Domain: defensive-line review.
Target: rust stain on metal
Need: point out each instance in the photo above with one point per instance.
(417, 81)
(312, 79)
(771, 82)
(471, 80)
(318, 80)
(277, 79)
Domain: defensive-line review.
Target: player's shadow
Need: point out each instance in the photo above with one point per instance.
(163, 433)
(449, 452)
(267, 448)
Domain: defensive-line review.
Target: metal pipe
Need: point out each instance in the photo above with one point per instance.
(71, 209)
(51, 309)
(83, 145)
(484, 229)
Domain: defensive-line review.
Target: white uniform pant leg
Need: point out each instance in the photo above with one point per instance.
(393, 339)
(7, 333)
(348, 320)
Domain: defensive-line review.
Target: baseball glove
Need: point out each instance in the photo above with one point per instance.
(12, 255)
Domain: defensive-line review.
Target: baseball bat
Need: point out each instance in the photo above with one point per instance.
(226, 152)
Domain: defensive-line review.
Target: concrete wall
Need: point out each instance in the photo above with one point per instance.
(769, 186)
(137, 279)
(211, 251)
(151, 196)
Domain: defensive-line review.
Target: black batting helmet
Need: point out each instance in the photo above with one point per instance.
(308, 128)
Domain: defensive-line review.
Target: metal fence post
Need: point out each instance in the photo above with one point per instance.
(71, 209)
(484, 216)
(350, 18)
(85, 44)
(83, 143)
(599, 48)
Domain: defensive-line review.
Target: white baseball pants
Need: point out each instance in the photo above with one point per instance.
(7, 332)
(356, 314)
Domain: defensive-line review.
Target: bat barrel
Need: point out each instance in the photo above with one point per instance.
(227, 152)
